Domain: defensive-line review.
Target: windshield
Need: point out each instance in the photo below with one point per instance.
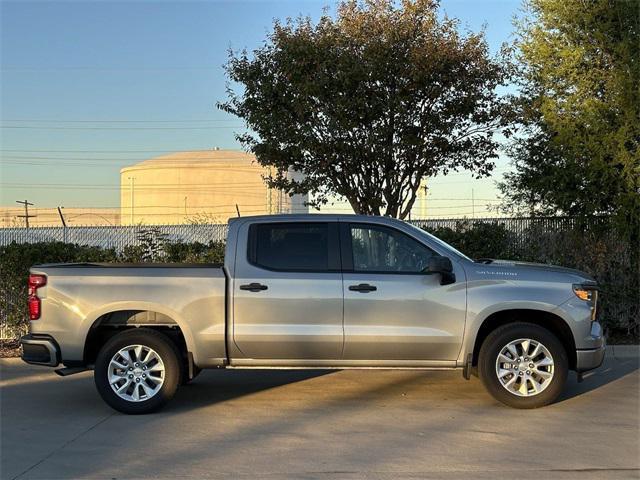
(443, 244)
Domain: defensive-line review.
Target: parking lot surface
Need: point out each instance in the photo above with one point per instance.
(322, 424)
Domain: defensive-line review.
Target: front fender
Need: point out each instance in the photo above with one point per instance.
(488, 297)
(474, 324)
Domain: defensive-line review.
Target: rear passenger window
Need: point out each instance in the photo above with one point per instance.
(290, 246)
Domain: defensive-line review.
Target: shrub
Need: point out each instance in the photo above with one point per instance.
(196, 252)
(15, 261)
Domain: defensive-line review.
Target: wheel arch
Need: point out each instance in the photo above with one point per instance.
(552, 322)
(112, 321)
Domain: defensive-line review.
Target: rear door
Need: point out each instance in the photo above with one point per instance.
(392, 310)
(287, 291)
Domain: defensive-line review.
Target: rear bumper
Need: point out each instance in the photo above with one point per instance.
(40, 350)
(591, 358)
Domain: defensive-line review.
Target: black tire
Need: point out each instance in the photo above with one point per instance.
(185, 380)
(499, 339)
(166, 350)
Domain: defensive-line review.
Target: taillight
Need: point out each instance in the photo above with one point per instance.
(35, 282)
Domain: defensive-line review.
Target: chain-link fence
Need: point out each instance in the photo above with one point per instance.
(116, 237)
(590, 245)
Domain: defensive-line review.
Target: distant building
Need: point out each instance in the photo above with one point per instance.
(199, 187)
(189, 187)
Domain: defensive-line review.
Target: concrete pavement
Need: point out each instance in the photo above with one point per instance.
(322, 424)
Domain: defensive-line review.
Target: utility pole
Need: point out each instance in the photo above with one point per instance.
(26, 215)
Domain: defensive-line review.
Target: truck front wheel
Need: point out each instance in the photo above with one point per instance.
(523, 365)
(137, 371)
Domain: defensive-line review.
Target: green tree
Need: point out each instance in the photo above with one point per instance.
(578, 153)
(370, 102)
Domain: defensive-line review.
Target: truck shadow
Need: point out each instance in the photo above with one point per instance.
(613, 368)
(222, 385)
(215, 386)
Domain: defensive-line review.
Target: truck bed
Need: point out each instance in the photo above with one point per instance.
(81, 296)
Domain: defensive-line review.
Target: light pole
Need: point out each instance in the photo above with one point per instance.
(131, 185)
(473, 204)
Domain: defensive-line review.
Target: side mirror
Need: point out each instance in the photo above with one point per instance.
(443, 266)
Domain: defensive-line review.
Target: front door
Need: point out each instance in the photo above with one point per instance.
(392, 310)
(287, 292)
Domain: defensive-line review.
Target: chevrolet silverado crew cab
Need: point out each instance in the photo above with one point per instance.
(321, 291)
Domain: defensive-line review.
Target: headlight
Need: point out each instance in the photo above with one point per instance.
(583, 293)
(588, 293)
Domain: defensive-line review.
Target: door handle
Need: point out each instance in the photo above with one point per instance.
(363, 288)
(253, 287)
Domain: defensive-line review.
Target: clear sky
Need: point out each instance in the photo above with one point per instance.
(89, 87)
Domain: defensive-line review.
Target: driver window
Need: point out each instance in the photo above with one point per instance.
(381, 249)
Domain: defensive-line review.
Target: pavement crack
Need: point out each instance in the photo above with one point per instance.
(63, 446)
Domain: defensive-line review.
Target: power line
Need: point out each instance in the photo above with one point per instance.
(34, 127)
(143, 186)
(17, 160)
(44, 210)
(106, 151)
(158, 159)
(243, 186)
(53, 120)
(193, 209)
(92, 67)
(123, 165)
(221, 168)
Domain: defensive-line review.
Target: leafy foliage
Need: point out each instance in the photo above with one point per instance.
(579, 152)
(196, 252)
(480, 240)
(15, 261)
(368, 104)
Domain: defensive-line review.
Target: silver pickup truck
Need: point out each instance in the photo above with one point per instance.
(328, 291)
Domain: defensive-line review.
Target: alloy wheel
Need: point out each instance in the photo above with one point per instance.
(136, 373)
(525, 367)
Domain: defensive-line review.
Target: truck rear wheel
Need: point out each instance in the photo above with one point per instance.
(523, 365)
(137, 371)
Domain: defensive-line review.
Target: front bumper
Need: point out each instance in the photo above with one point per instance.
(588, 359)
(40, 350)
